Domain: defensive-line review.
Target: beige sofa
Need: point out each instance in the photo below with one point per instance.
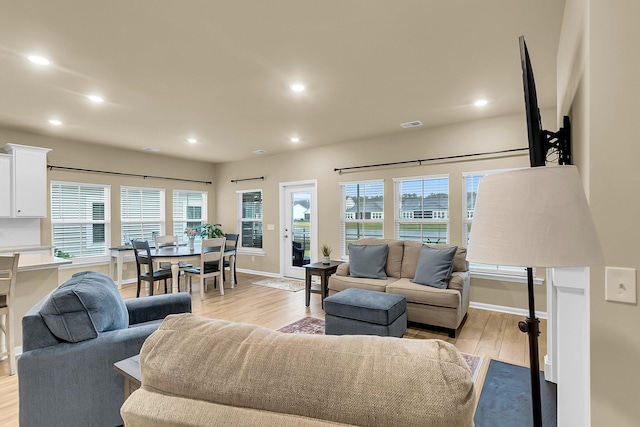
(431, 306)
(205, 372)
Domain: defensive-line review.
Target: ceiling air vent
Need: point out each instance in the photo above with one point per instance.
(412, 124)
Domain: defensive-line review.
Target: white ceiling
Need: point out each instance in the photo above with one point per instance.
(220, 71)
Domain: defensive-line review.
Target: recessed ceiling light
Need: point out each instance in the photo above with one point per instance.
(95, 98)
(259, 151)
(481, 103)
(294, 139)
(55, 122)
(40, 60)
(192, 140)
(298, 87)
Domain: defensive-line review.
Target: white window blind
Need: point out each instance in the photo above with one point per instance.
(361, 212)
(250, 220)
(470, 182)
(422, 209)
(142, 213)
(80, 218)
(189, 210)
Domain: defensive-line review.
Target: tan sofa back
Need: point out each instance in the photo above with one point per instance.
(354, 380)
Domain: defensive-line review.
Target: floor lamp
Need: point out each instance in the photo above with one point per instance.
(534, 217)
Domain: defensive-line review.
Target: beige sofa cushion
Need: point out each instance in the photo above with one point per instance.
(412, 253)
(422, 294)
(340, 283)
(394, 257)
(360, 380)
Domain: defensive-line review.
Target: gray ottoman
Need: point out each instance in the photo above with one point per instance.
(361, 312)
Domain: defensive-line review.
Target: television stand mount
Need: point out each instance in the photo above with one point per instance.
(560, 142)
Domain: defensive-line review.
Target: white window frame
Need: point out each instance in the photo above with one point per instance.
(349, 217)
(92, 259)
(241, 249)
(160, 221)
(487, 271)
(179, 218)
(439, 217)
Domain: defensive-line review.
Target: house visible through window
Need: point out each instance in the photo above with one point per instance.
(80, 219)
(470, 182)
(362, 212)
(422, 209)
(142, 213)
(250, 221)
(189, 210)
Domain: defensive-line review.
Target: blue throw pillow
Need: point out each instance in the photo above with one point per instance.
(435, 266)
(368, 261)
(82, 307)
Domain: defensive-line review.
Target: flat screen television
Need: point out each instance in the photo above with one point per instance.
(542, 143)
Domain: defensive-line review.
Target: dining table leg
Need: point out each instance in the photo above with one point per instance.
(175, 275)
(232, 268)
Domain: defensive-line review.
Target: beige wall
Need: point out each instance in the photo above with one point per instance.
(318, 163)
(82, 155)
(598, 68)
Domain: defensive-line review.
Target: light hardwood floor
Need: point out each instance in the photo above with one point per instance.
(489, 334)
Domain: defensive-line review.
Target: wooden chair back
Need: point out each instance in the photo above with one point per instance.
(163, 241)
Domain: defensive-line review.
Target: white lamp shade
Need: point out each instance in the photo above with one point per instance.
(536, 217)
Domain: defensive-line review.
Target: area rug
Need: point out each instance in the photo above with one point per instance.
(282, 283)
(505, 400)
(311, 325)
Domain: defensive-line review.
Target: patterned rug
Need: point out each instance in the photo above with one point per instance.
(311, 325)
(282, 283)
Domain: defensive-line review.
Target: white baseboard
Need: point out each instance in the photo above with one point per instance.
(508, 310)
(259, 273)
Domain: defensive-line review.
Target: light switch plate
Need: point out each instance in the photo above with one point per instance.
(271, 227)
(620, 284)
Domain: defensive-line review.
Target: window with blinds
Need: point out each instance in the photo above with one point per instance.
(470, 182)
(80, 218)
(141, 213)
(361, 212)
(250, 221)
(422, 209)
(189, 210)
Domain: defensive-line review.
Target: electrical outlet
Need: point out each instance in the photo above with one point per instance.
(620, 284)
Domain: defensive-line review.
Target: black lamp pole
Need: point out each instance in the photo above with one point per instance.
(531, 325)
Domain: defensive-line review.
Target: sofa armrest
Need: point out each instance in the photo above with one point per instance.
(157, 307)
(74, 384)
(459, 281)
(343, 269)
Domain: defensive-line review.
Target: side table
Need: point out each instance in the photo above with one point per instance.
(322, 270)
(130, 370)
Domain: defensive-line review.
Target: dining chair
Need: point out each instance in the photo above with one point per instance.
(231, 246)
(142, 253)
(211, 258)
(8, 273)
(169, 241)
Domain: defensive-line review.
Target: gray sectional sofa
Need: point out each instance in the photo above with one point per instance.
(425, 304)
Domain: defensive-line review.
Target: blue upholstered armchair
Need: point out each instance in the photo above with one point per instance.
(70, 341)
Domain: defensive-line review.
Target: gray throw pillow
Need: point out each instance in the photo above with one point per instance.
(82, 307)
(434, 266)
(368, 261)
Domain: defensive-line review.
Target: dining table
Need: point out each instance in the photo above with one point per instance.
(177, 254)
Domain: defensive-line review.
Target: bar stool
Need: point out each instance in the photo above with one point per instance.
(8, 273)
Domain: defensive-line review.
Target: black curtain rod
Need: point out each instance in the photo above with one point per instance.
(248, 179)
(419, 161)
(125, 174)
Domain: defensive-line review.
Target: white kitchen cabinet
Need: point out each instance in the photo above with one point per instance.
(28, 186)
(5, 185)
